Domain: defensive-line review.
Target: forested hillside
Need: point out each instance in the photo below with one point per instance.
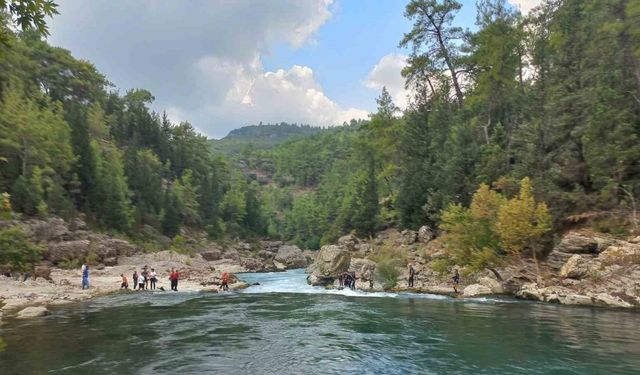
(543, 106)
(552, 97)
(260, 137)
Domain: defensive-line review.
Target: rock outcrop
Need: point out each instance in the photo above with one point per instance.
(290, 257)
(475, 290)
(425, 234)
(32, 312)
(330, 262)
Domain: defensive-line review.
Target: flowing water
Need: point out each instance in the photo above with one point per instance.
(284, 326)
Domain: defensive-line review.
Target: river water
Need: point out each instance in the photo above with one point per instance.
(284, 326)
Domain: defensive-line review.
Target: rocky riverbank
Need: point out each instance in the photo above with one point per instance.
(66, 245)
(584, 268)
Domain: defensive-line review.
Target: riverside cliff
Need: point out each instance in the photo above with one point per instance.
(584, 268)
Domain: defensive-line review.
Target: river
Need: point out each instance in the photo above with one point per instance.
(284, 326)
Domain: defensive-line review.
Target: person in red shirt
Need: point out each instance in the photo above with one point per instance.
(225, 281)
(174, 277)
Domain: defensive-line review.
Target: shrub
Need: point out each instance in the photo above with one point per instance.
(494, 226)
(388, 260)
(17, 251)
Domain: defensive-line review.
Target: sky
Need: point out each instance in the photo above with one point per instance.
(223, 64)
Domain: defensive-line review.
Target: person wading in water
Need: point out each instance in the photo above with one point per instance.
(456, 280)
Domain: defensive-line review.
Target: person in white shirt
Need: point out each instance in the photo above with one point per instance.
(153, 276)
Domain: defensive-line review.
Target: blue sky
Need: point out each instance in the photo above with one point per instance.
(223, 64)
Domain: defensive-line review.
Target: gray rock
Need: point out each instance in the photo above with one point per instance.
(474, 290)
(408, 237)
(32, 312)
(364, 268)
(54, 229)
(607, 300)
(43, 272)
(494, 285)
(78, 224)
(577, 267)
(349, 242)
(425, 234)
(61, 251)
(110, 262)
(330, 262)
(578, 243)
(211, 255)
(232, 254)
(290, 257)
(110, 247)
(576, 299)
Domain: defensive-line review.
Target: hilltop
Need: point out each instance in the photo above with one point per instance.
(261, 137)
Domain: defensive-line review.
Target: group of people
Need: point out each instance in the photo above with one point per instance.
(148, 278)
(347, 280)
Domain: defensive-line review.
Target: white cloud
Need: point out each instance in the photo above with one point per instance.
(205, 55)
(291, 95)
(525, 6)
(387, 73)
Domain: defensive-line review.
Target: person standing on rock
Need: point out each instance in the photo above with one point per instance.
(456, 280)
(134, 278)
(145, 275)
(153, 277)
(85, 276)
(225, 281)
(141, 282)
(412, 275)
(174, 277)
(125, 283)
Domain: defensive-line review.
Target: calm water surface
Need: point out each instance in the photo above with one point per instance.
(286, 327)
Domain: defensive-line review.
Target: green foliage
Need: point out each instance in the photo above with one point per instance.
(17, 251)
(388, 263)
(28, 15)
(179, 245)
(494, 226)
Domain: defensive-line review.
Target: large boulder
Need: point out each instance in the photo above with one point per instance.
(349, 242)
(291, 257)
(110, 247)
(211, 254)
(408, 237)
(577, 267)
(64, 251)
(626, 254)
(231, 254)
(270, 246)
(494, 285)
(331, 261)
(474, 290)
(362, 267)
(425, 234)
(32, 312)
(42, 271)
(54, 229)
(578, 243)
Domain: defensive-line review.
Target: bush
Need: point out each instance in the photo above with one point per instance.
(17, 251)
(388, 260)
(493, 226)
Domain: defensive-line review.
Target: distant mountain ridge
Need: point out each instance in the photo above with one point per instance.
(261, 137)
(272, 131)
